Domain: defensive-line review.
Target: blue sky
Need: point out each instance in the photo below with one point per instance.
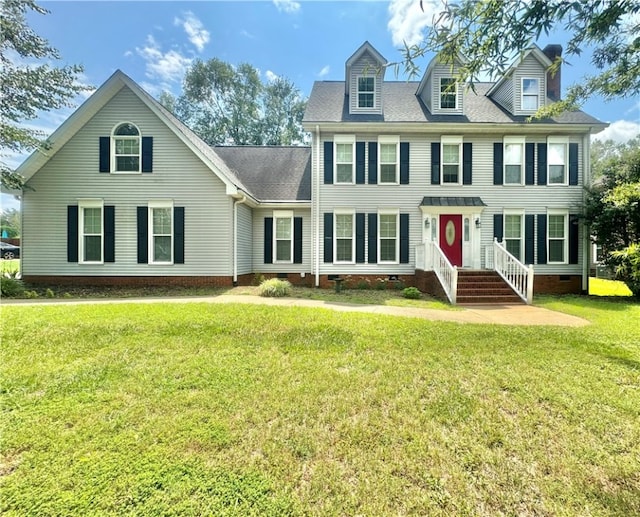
(305, 41)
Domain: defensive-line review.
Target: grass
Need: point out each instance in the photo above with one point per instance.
(195, 409)
(603, 287)
(9, 266)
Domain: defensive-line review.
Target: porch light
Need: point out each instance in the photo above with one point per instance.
(478, 222)
(426, 224)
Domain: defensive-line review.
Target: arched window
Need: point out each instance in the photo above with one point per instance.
(126, 148)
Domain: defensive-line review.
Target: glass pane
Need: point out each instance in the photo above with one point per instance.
(127, 163)
(388, 173)
(513, 247)
(92, 220)
(343, 249)
(530, 102)
(344, 153)
(162, 249)
(93, 248)
(283, 228)
(365, 84)
(388, 226)
(512, 174)
(344, 226)
(126, 129)
(450, 153)
(556, 250)
(530, 86)
(388, 249)
(387, 153)
(162, 221)
(556, 173)
(512, 226)
(434, 229)
(365, 100)
(283, 250)
(513, 154)
(557, 154)
(450, 173)
(556, 227)
(344, 173)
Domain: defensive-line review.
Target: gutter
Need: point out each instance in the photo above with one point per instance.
(236, 202)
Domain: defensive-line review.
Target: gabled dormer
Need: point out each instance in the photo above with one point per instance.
(364, 75)
(439, 90)
(525, 87)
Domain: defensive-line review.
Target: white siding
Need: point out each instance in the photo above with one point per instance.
(529, 68)
(365, 66)
(504, 94)
(177, 174)
(245, 240)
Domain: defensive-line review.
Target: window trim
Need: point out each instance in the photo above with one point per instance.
(344, 139)
(521, 214)
(558, 140)
(523, 95)
(513, 140)
(150, 207)
(451, 140)
(90, 203)
(365, 92)
(565, 248)
(282, 214)
(114, 155)
(352, 213)
(386, 140)
(454, 93)
(395, 212)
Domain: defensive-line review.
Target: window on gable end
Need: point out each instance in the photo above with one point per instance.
(448, 93)
(366, 92)
(126, 148)
(530, 94)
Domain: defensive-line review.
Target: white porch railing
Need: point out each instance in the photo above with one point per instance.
(446, 273)
(514, 272)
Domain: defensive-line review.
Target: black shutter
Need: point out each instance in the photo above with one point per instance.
(109, 217)
(105, 154)
(498, 224)
(268, 240)
(529, 163)
(143, 234)
(360, 163)
(573, 238)
(542, 168)
(573, 164)
(147, 154)
(467, 162)
(373, 163)
(435, 163)
(373, 238)
(498, 162)
(529, 239)
(404, 163)
(360, 238)
(328, 237)
(328, 163)
(404, 238)
(297, 240)
(72, 233)
(542, 238)
(178, 235)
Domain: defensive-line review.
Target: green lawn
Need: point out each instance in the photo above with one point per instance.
(9, 266)
(197, 409)
(604, 287)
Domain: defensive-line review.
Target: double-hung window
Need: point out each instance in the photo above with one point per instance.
(161, 232)
(388, 241)
(91, 231)
(388, 158)
(530, 94)
(557, 242)
(513, 160)
(448, 93)
(366, 92)
(451, 159)
(283, 235)
(344, 236)
(345, 158)
(557, 160)
(126, 148)
(513, 233)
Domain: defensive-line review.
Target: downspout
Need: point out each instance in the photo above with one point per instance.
(315, 197)
(586, 238)
(235, 238)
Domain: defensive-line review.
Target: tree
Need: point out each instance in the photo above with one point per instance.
(27, 88)
(612, 210)
(230, 105)
(491, 33)
(10, 222)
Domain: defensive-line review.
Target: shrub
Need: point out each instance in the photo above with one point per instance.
(11, 286)
(50, 294)
(274, 287)
(363, 284)
(258, 278)
(627, 267)
(31, 294)
(411, 292)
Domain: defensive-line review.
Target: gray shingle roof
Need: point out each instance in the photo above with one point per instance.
(328, 103)
(452, 201)
(271, 173)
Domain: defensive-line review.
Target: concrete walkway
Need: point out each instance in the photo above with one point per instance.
(491, 314)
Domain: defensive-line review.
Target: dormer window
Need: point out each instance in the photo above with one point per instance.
(448, 93)
(126, 148)
(530, 94)
(366, 92)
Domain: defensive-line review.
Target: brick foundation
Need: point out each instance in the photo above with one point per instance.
(557, 284)
(294, 278)
(368, 281)
(428, 282)
(131, 281)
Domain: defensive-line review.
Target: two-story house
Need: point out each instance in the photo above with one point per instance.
(427, 182)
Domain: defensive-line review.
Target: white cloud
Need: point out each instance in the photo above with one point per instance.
(287, 6)
(196, 32)
(166, 66)
(325, 71)
(270, 76)
(407, 20)
(620, 131)
(246, 34)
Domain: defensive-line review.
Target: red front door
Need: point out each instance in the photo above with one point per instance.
(451, 238)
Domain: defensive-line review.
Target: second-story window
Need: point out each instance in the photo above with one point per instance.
(448, 94)
(557, 158)
(345, 159)
(388, 154)
(513, 160)
(126, 148)
(366, 92)
(530, 94)
(451, 159)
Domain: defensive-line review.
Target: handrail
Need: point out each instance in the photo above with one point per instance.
(446, 273)
(515, 273)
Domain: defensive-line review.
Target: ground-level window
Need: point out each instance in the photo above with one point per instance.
(91, 231)
(344, 237)
(283, 236)
(557, 237)
(513, 234)
(161, 233)
(388, 236)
